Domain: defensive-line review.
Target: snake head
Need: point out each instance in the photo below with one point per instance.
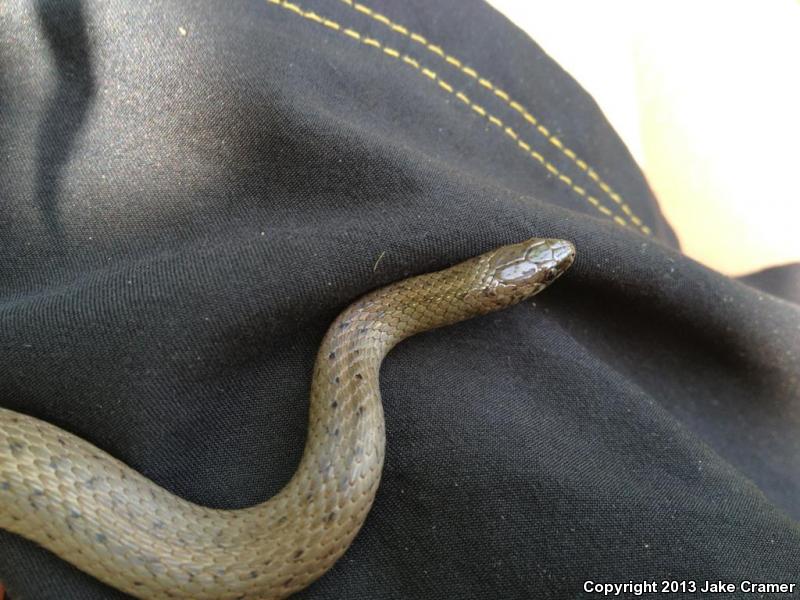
(519, 271)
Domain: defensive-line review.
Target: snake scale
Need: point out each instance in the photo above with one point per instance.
(111, 522)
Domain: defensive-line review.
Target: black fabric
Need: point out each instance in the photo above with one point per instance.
(782, 281)
(192, 191)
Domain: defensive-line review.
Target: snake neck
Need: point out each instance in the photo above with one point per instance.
(345, 412)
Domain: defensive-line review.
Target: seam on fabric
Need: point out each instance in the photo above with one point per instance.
(506, 98)
(462, 97)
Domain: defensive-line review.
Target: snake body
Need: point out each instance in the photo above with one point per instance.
(111, 522)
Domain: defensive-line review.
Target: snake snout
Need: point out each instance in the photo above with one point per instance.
(525, 269)
(563, 255)
(563, 252)
(553, 253)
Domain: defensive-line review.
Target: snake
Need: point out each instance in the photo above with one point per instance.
(111, 522)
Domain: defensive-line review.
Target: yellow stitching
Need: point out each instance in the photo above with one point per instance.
(460, 95)
(447, 87)
(503, 95)
(294, 8)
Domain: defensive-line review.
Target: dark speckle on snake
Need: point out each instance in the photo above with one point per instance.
(111, 522)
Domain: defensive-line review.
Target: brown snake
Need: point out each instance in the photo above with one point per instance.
(111, 522)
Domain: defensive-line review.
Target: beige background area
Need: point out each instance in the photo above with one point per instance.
(706, 94)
